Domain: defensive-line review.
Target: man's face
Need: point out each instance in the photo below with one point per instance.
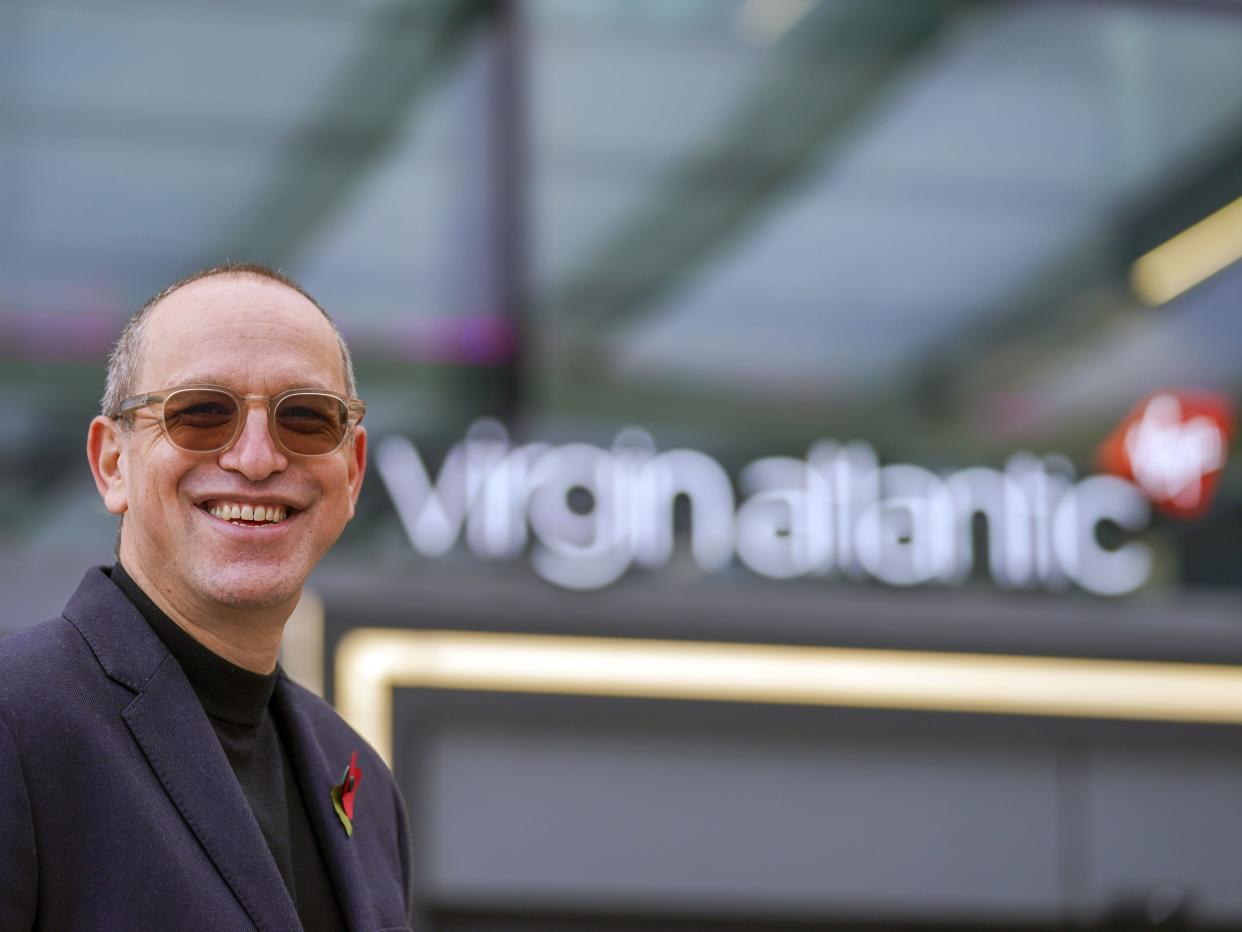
(256, 337)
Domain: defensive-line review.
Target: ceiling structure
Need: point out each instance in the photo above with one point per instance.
(928, 206)
(746, 223)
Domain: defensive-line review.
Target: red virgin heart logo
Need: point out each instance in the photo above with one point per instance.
(1173, 446)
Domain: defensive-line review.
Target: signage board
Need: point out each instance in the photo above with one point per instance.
(586, 514)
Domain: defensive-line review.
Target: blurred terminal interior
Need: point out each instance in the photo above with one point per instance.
(804, 488)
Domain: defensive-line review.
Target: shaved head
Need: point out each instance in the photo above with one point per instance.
(126, 358)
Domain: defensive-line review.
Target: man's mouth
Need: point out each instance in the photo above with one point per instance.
(248, 514)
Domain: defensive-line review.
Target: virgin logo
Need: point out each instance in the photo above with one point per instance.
(585, 514)
(1173, 446)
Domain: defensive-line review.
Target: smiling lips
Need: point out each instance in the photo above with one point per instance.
(246, 515)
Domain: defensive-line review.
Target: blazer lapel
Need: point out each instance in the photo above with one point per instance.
(169, 724)
(316, 776)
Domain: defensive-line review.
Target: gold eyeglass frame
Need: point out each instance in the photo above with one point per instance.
(355, 408)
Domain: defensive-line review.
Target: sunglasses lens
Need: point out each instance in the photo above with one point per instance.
(311, 424)
(199, 419)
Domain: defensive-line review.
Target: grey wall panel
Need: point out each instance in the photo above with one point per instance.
(835, 820)
(1165, 820)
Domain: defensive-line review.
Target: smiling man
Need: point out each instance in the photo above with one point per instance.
(159, 770)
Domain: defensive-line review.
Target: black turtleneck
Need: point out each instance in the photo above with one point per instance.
(237, 705)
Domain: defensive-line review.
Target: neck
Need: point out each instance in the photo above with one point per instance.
(246, 636)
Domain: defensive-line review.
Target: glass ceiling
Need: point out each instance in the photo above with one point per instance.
(882, 208)
(742, 224)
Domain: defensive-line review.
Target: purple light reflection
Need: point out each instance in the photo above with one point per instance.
(84, 335)
(460, 340)
(87, 336)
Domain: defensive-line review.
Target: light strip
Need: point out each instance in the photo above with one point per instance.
(765, 22)
(371, 662)
(301, 648)
(1192, 256)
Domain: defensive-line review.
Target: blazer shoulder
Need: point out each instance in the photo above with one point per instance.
(51, 634)
(325, 719)
(27, 655)
(331, 730)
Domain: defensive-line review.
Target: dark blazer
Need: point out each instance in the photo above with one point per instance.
(118, 808)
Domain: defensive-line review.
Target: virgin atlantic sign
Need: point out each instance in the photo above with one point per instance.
(584, 514)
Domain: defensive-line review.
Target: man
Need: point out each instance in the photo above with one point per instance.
(157, 770)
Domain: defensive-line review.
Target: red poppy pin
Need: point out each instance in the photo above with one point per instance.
(343, 794)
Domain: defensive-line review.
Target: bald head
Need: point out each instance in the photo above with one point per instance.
(125, 363)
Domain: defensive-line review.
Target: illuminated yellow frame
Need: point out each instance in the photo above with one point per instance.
(372, 662)
(1192, 256)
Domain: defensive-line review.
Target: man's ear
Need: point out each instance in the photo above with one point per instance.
(357, 453)
(103, 451)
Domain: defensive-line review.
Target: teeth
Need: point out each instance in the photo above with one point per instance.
(235, 511)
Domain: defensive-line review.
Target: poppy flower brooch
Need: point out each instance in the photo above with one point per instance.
(343, 794)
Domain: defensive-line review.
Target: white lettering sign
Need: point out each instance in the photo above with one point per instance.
(587, 514)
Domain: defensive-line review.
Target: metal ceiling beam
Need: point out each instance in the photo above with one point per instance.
(1064, 305)
(352, 127)
(841, 61)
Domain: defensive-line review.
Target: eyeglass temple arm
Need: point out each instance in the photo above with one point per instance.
(129, 405)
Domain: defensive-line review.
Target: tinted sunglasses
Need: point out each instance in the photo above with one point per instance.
(209, 419)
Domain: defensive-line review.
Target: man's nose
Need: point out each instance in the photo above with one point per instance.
(255, 454)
